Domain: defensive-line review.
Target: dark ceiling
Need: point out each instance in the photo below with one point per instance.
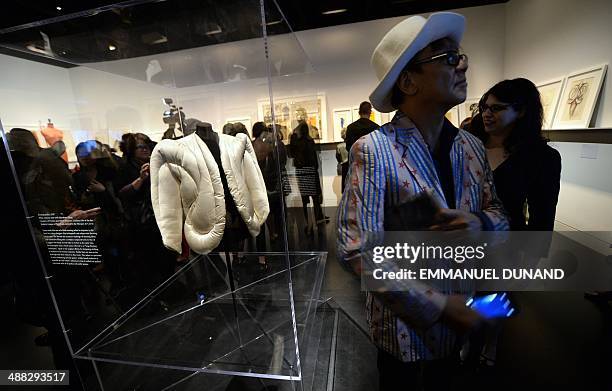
(137, 28)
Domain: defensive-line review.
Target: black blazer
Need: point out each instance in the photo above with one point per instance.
(358, 129)
(530, 178)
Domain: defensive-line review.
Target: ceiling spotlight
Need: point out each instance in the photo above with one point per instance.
(274, 22)
(112, 47)
(331, 12)
(58, 8)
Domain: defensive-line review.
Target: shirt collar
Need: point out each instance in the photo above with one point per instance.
(404, 130)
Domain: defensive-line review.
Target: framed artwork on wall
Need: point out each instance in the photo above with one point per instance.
(469, 108)
(341, 119)
(550, 92)
(290, 111)
(579, 97)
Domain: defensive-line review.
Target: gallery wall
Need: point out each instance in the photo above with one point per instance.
(546, 39)
(539, 39)
(33, 92)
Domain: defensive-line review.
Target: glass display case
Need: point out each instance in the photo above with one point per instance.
(161, 229)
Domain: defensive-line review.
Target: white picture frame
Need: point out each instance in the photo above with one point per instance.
(579, 97)
(550, 92)
(341, 118)
(286, 113)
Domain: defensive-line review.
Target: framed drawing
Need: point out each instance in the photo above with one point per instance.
(290, 111)
(453, 116)
(579, 98)
(549, 95)
(341, 118)
(469, 108)
(245, 120)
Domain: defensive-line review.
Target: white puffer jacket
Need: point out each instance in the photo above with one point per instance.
(186, 186)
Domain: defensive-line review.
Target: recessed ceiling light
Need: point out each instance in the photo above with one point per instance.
(331, 12)
(112, 47)
(58, 8)
(274, 22)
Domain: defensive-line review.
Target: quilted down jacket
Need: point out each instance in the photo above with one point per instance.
(187, 193)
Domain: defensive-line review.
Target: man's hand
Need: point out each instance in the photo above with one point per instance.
(456, 219)
(459, 316)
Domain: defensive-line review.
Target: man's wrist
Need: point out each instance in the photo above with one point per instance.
(485, 222)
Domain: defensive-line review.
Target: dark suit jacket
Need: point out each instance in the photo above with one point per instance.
(358, 129)
(530, 177)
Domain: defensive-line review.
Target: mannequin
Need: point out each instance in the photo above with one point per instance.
(235, 228)
(204, 184)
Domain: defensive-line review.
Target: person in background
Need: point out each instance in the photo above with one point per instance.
(306, 165)
(526, 170)
(272, 159)
(342, 157)
(465, 124)
(361, 127)
(228, 129)
(240, 128)
(46, 186)
(527, 176)
(93, 188)
(150, 261)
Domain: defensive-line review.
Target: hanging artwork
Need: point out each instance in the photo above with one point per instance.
(469, 108)
(288, 113)
(579, 98)
(342, 118)
(549, 95)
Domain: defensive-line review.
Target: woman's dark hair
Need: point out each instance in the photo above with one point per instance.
(279, 131)
(258, 128)
(523, 95)
(476, 127)
(240, 128)
(228, 129)
(130, 141)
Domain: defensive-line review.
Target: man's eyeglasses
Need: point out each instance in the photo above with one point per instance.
(495, 107)
(453, 58)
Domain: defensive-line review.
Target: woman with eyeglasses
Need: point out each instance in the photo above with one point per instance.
(526, 170)
(527, 175)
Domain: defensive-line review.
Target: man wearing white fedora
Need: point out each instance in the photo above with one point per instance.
(421, 74)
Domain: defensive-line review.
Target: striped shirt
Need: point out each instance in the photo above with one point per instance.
(388, 167)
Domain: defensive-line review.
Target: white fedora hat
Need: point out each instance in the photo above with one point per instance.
(400, 45)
